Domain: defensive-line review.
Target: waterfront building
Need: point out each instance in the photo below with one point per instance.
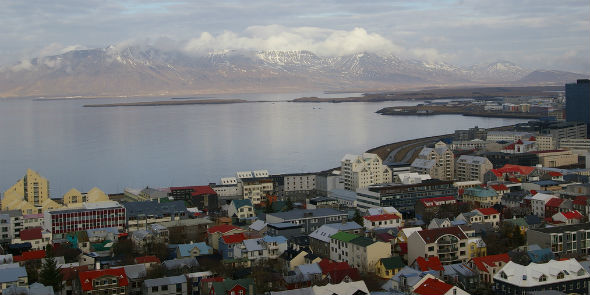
(575, 144)
(449, 244)
(510, 136)
(241, 209)
(90, 216)
(327, 181)
(403, 197)
(299, 183)
(359, 171)
(571, 239)
(469, 168)
(470, 134)
(343, 197)
(29, 194)
(577, 104)
(438, 162)
(568, 276)
(254, 185)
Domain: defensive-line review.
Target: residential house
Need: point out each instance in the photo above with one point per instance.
(229, 287)
(337, 272)
(12, 275)
(267, 247)
(36, 236)
(202, 196)
(520, 222)
(429, 285)
(215, 232)
(319, 240)
(567, 275)
(461, 275)
(193, 250)
(449, 244)
(432, 206)
(285, 229)
(136, 274)
(183, 265)
(405, 280)
(439, 223)
(388, 267)
(382, 221)
(538, 202)
(481, 197)
(141, 214)
(227, 244)
(165, 286)
(361, 252)
(476, 247)
(104, 281)
(571, 217)
(513, 173)
(241, 209)
(488, 266)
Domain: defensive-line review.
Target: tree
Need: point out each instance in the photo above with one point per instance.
(50, 274)
(159, 250)
(268, 208)
(289, 205)
(357, 217)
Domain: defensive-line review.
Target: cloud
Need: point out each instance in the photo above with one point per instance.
(57, 49)
(324, 42)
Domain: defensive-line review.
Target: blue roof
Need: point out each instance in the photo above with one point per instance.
(277, 239)
(546, 182)
(185, 249)
(541, 255)
(11, 273)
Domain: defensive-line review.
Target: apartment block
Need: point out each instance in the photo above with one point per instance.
(438, 162)
(360, 252)
(562, 240)
(359, 171)
(469, 168)
(448, 243)
(310, 219)
(89, 216)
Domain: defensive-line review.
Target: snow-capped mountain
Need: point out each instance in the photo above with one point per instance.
(147, 70)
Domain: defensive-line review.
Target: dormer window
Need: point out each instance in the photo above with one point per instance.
(503, 275)
(542, 278)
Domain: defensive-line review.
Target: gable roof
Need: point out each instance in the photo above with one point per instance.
(572, 215)
(147, 259)
(487, 211)
(223, 228)
(555, 202)
(241, 203)
(235, 238)
(30, 255)
(327, 265)
(431, 235)
(490, 260)
(499, 187)
(29, 234)
(430, 263)
(87, 277)
(433, 286)
(392, 262)
(338, 275)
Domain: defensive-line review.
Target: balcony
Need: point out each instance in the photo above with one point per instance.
(447, 249)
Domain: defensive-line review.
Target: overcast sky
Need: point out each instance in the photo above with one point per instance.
(536, 34)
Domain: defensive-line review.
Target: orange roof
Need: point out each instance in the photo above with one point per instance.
(30, 255)
(487, 211)
(381, 217)
(509, 168)
(223, 228)
(87, 277)
(432, 263)
(147, 259)
(490, 260)
(433, 287)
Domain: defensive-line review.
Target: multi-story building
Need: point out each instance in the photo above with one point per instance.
(90, 216)
(104, 281)
(228, 187)
(216, 232)
(319, 239)
(510, 136)
(575, 144)
(448, 243)
(562, 240)
(538, 202)
(472, 168)
(438, 162)
(403, 197)
(12, 274)
(577, 107)
(360, 252)
(266, 247)
(74, 198)
(470, 134)
(165, 286)
(545, 142)
(557, 158)
(328, 181)
(481, 197)
(431, 206)
(385, 220)
(481, 215)
(30, 194)
(567, 276)
(299, 183)
(240, 209)
(254, 185)
(200, 196)
(11, 223)
(142, 214)
(310, 219)
(359, 171)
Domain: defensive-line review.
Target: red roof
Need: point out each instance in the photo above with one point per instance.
(519, 142)
(31, 234)
(215, 279)
(581, 200)
(509, 147)
(30, 255)
(327, 265)
(433, 287)
(223, 228)
(403, 248)
(509, 168)
(499, 187)
(487, 211)
(554, 174)
(384, 237)
(336, 276)
(196, 190)
(87, 277)
(235, 238)
(71, 273)
(573, 214)
(147, 259)
(431, 235)
(436, 200)
(432, 263)
(490, 260)
(532, 138)
(381, 217)
(554, 202)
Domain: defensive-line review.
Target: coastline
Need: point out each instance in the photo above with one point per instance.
(168, 102)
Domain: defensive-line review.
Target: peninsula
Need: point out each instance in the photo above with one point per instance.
(169, 102)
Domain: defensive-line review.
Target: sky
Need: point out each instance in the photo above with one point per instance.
(535, 34)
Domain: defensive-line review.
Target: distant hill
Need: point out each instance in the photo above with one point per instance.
(134, 71)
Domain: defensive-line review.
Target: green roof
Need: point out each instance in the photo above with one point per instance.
(517, 221)
(344, 237)
(241, 203)
(480, 192)
(226, 285)
(392, 262)
(363, 241)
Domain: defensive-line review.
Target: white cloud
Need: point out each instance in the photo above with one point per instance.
(57, 48)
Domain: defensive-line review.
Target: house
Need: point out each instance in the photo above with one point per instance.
(258, 226)
(227, 244)
(215, 232)
(488, 266)
(520, 222)
(562, 240)
(431, 206)
(342, 288)
(241, 209)
(13, 275)
(235, 287)
(571, 217)
(538, 202)
(285, 229)
(201, 196)
(165, 286)
(429, 285)
(104, 281)
(566, 275)
(490, 215)
(439, 223)
(382, 221)
(461, 275)
(361, 252)
(147, 261)
(476, 247)
(35, 235)
(500, 189)
(481, 197)
(511, 172)
(193, 250)
(336, 272)
(388, 267)
(448, 243)
(136, 274)
(181, 264)
(33, 289)
(428, 264)
(405, 280)
(319, 239)
(141, 214)
(267, 247)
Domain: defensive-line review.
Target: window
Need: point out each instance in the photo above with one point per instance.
(542, 278)
(155, 289)
(165, 288)
(178, 287)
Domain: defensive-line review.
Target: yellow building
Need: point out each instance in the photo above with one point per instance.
(74, 198)
(481, 197)
(30, 195)
(388, 267)
(476, 247)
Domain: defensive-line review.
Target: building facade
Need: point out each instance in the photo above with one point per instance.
(469, 168)
(359, 171)
(562, 240)
(90, 216)
(439, 162)
(448, 243)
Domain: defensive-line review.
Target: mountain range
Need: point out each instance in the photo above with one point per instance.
(148, 71)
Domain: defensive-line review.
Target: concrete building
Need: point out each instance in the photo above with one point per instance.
(577, 104)
(510, 136)
(469, 168)
(360, 252)
(568, 276)
(562, 240)
(255, 185)
(142, 214)
(328, 181)
(11, 223)
(545, 142)
(310, 219)
(165, 286)
(481, 197)
(403, 197)
(538, 202)
(299, 183)
(319, 240)
(359, 171)
(557, 158)
(575, 144)
(438, 162)
(448, 243)
(92, 215)
(30, 194)
(344, 198)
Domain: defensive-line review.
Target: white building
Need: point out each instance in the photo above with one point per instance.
(538, 202)
(300, 182)
(439, 162)
(254, 185)
(359, 171)
(510, 136)
(469, 168)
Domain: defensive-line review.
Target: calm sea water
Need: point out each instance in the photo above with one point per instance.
(114, 148)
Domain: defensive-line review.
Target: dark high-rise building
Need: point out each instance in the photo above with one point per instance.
(577, 105)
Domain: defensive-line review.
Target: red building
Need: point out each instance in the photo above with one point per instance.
(90, 216)
(104, 281)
